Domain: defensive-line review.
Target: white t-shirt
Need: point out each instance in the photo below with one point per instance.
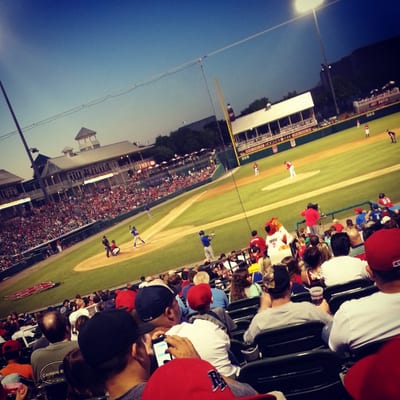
(343, 269)
(366, 320)
(210, 341)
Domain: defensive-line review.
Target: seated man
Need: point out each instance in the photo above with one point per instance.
(156, 303)
(11, 350)
(200, 299)
(282, 311)
(374, 317)
(195, 379)
(357, 244)
(46, 361)
(342, 268)
(118, 350)
(219, 297)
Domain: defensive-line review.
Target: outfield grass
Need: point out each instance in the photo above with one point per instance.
(345, 164)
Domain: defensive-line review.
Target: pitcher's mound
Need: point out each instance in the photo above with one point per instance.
(289, 181)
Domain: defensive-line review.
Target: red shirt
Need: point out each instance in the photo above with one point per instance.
(385, 202)
(311, 216)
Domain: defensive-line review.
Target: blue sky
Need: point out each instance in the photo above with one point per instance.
(62, 55)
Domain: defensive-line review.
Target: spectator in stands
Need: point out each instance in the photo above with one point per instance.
(174, 281)
(259, 242)
(11, 351)
(219, 297)
(283, 311)
(80, 310)
(156, 303)
(361, 218)
(196, 379)
(294, 269)
(376, 376)
(384, 201)
(125, 298)
(374, 317)
(311, 273)
(80, 321)
(325, 251)
(337, 225)
(349, 224)
(342, 268)
(200, 299)
(46, 361)
(117, 349)
(81, 378)
(375, 214)
(242, 286)
(357, 244)
(185, 289)
(312, 217)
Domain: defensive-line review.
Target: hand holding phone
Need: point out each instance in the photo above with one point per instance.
(159, 348)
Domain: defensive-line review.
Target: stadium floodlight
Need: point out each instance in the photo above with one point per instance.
(303, 6)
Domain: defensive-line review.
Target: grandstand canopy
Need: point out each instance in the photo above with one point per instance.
(85, 158)
(7, 178)
(273, 113)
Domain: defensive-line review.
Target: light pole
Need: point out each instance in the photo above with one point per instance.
(27, 149)
(302, 7)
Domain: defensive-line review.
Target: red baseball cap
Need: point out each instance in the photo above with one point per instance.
(190, 378)
(10, 346)
(376, 376)
(199, 296)
(382, 249)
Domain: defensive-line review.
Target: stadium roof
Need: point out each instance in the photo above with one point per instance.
(7, 178)
(89, 157)
(273, 113)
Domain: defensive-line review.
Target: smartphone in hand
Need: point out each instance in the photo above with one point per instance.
(159, 348)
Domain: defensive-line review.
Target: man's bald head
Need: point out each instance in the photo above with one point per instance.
(54, 326)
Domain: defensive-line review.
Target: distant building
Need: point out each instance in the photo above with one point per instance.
(276, 123)
(93, 163)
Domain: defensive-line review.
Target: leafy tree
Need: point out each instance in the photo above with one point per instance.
(255, 106)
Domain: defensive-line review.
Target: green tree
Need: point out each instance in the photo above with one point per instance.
(255, 106)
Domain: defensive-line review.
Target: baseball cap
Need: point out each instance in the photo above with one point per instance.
(199, 296)
(190, 378)
(201, 232)
(108, 334)
(358, 210)
(10, 346)
(277, 279)
(152, 299)
(377, 375)
(382, 249)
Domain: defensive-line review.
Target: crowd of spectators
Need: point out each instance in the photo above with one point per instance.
(191, 308)
(39, 224)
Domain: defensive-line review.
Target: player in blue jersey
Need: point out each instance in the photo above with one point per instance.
(206, 242)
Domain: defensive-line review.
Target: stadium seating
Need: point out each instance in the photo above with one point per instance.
(309, 375)
(340, 288)
(337, 299)
(290, 339)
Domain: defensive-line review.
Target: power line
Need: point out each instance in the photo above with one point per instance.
(156, 78)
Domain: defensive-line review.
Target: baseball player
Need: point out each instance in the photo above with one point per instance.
(206, 242)
(290, 168)
(136, 235)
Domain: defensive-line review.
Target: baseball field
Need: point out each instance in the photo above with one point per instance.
(336, 172)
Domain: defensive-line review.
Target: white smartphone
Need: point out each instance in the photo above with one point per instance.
(159, 348)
